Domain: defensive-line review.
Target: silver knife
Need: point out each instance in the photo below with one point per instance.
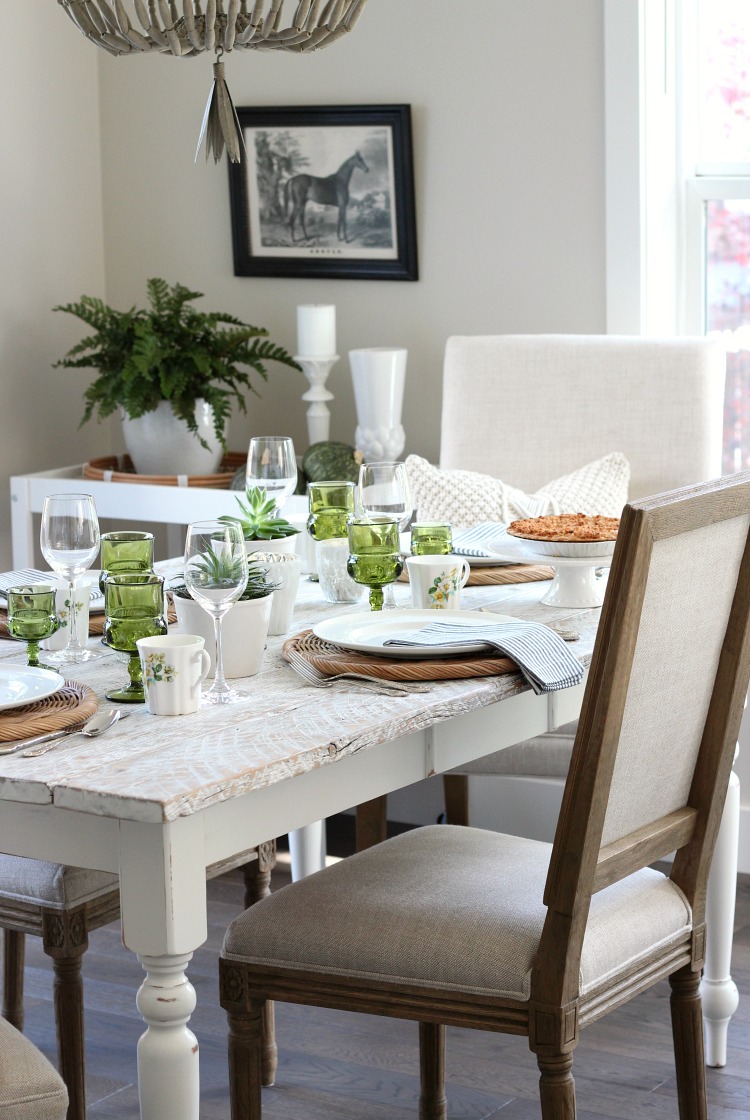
(48, 737)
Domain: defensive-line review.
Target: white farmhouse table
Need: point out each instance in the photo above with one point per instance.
(160, 799)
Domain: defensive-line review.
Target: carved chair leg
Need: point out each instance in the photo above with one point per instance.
(257, 873)
(432, 1102)
(245, 1062)
(557, 1093)
(65, 939)
(687, 1031)
(456, 794)
(14, 948)
(372, 825)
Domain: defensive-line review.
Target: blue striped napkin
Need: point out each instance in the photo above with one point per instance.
(474, 541)
(542, 656)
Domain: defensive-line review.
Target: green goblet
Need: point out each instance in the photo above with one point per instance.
(331, 506)
(133, 609)
(32, 617)
(431, 538)
(125, 551)
(374, 555)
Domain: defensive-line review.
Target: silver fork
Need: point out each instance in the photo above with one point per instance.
(314, 676)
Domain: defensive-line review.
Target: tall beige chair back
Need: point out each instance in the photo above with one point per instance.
(530, 408)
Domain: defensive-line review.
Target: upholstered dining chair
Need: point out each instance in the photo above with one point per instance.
(530, 408)
(460, 926)
(30, 1088)
(62, 905)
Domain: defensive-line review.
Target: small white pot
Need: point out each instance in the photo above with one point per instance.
(161, 443)
(244, 629)
(278, 545)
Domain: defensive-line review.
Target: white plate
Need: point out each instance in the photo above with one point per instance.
(367, 633)
(20, 684)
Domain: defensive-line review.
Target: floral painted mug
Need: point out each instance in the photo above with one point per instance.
(174, 667)
(436, 581)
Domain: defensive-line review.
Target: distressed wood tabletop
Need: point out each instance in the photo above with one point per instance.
(162, 768)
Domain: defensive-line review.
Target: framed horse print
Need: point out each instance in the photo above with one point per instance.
(325, 192)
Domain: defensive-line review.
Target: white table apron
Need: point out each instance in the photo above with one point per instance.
(159, 800)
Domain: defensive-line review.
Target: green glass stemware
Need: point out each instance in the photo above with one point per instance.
(32, 617)
(125, 551)
(331, 505)
(374, 555)
(133, 609)
(431, 538)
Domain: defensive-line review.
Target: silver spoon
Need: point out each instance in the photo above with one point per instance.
(97, 725)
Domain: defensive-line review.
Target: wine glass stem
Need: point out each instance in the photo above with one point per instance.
(389, 601)
(32, 648)
(220, 684)
(376, 598)
(73, 644)
(135, 673)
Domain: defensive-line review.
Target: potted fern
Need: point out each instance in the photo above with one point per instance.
(174, 373)
(244, 628)
(261, 523)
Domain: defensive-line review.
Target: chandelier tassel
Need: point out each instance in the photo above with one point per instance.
(220, 125)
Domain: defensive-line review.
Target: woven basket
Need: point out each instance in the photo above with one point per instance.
(113, 468)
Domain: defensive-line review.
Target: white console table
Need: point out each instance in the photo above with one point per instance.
(173, 506)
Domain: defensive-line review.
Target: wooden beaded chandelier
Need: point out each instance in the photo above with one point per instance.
(185, 28)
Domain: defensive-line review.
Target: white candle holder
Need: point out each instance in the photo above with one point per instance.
(316, 371)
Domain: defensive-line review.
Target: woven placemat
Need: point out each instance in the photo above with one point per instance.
(330, 659)
(509, 573)
(71, 704)
(96, 622)
(113, 468)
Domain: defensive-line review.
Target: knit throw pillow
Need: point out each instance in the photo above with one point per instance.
(466, 497)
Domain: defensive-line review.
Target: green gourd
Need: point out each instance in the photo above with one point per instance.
(329, 461)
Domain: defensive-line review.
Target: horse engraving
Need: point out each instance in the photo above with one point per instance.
(331, 190)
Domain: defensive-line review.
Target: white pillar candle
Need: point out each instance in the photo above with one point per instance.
(316, 330)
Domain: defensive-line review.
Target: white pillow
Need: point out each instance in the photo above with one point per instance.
(465, 497)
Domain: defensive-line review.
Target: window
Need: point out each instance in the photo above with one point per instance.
(678, 154)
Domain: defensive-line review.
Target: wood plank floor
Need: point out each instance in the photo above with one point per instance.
(335, 1065)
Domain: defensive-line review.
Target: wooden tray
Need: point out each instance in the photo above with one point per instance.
(329, 659)
(73, 703)
(508, 573)
(113, 468)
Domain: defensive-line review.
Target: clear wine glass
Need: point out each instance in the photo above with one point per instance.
(384, 492)
(216, 573)
(70, 543)
(272, 465)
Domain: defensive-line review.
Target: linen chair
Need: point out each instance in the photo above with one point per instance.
(62, 905)
(30, 1088)
(460, 926)
(530, 408)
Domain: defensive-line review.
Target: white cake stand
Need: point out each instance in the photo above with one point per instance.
(575, 583)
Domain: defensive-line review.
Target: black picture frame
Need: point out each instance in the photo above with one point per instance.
(293, 154)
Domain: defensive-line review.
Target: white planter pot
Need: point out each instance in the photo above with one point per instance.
(284, 545)
(161, 443)
(244, 629)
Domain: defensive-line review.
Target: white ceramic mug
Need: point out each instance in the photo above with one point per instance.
(173, 666)
(436, 581)
(62, 609)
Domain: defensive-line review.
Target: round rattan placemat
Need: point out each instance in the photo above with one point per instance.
(509, 573)
(71, 704)
(330, 659)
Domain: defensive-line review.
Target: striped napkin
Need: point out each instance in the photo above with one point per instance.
(542, 656)
(474, 541)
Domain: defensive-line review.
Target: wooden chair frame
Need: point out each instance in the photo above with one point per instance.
(579, 866)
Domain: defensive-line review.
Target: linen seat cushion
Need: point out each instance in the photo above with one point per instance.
(544, 756)
(447, 907)
(55, 885)
(30, 1088)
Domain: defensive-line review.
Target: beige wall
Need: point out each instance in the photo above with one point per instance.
(508, 133)
(51, 244)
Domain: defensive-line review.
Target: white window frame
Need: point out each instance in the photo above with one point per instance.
(655, 190)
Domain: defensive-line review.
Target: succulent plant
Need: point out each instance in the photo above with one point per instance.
(220, 569)
(259, 520)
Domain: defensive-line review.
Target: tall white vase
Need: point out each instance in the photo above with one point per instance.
(378, 375)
